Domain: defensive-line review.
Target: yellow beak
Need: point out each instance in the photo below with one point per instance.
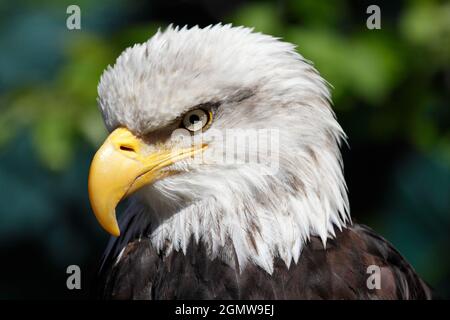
(120, 168)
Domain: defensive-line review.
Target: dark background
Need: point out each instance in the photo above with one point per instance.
(391, 95)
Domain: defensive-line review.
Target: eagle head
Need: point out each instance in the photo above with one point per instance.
(220, 135)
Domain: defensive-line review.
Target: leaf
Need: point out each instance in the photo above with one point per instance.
(263, 17)
(53, 140)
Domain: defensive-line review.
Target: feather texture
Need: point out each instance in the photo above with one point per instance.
(241, 230)
(254, 210)
(337, 272)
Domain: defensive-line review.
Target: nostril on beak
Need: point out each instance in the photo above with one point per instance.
(127, 148)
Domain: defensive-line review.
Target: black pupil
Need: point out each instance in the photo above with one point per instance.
(194, 118)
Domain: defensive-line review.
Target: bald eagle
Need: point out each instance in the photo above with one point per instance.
(216, 209)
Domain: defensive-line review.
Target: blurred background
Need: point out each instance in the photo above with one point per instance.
(391, 95)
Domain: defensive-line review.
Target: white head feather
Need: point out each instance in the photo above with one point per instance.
(241, 212)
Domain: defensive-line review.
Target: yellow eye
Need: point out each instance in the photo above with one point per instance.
(196, 120)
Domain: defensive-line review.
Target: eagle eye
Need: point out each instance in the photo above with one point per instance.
(196, 120)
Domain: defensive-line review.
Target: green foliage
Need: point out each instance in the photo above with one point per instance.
(261, 16)
(388, 71)
(426, 24)
(64, 108)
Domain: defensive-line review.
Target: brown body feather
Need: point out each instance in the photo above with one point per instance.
(337, 272)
